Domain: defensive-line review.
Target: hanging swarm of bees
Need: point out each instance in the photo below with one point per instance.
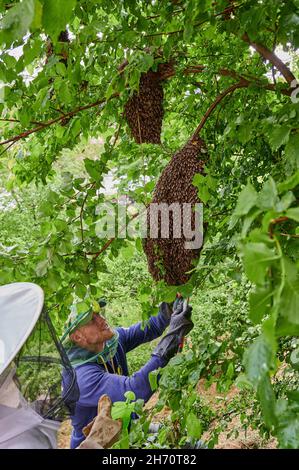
(144, 110)
(168, 258)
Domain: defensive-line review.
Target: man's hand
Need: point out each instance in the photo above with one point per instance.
(167, 309)
(180, 325)
(103, 431)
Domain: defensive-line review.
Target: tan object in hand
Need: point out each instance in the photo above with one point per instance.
(103, 431)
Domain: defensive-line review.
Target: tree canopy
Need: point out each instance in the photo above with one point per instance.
(68, 68)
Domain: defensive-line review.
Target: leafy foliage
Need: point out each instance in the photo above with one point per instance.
(57, 97)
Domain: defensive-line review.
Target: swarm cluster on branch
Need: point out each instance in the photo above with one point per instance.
(168, 258)
(144, 110)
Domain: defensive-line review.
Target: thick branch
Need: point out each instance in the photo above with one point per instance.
(231, 89)
(170, 72)
(272, 57)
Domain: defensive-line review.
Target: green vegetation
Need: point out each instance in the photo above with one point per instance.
(58, 97)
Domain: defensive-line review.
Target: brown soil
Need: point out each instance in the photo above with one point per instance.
(64, 435)
(234, 437)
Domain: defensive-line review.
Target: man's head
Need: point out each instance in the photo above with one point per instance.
(93, 334)
(88, 330)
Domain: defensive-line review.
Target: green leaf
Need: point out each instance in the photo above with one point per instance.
(259, 304)
(16, 22)
(193, 425)
(289, 302)
(252, 215)
(188, 31)
(290, 183)
(294, 358)
(279, 135)
(257, 259)
(147, 62)
(56, 15)
(153, 379)
(37, 20)
(288, 425)
(293, 213)
(285, 328)
(268, 196)
(80, 290)
(93, 168)
(41, 268)
(128, 251)
(130, 396)
(230, 371)
(75, 127)
(60, 68)
(245, 133)
(286, 200)
(292, 150)
(258, 360)
(246, 200)
(202, 184)
(267, 399)
(122, 410)
(204, 194)
(64, 93)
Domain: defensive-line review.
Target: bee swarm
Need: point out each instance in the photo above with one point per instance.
(168, 258)
(144, 110)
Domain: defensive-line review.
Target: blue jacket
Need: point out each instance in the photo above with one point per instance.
(94, 381)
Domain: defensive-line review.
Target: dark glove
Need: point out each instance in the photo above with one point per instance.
(167, 309)
(180, 325)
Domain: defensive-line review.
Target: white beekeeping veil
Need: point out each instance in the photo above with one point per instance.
(20, 307)
(21, 427)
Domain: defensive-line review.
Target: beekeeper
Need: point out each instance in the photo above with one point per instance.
(98, 353)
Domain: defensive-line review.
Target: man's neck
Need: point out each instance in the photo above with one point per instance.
(96, 348)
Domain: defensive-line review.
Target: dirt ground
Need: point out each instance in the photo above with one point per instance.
(245, 440)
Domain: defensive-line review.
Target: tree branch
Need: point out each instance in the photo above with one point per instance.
(273, 222)
(56, 120)
(271, 57)
(231, 89)
(170, 72)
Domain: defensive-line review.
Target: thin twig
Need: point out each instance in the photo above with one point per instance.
(288, 235)
(276, 221)
(8, 147)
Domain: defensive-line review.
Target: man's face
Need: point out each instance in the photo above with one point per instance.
(92, 335)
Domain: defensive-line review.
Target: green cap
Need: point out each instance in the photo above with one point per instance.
(76, 320)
